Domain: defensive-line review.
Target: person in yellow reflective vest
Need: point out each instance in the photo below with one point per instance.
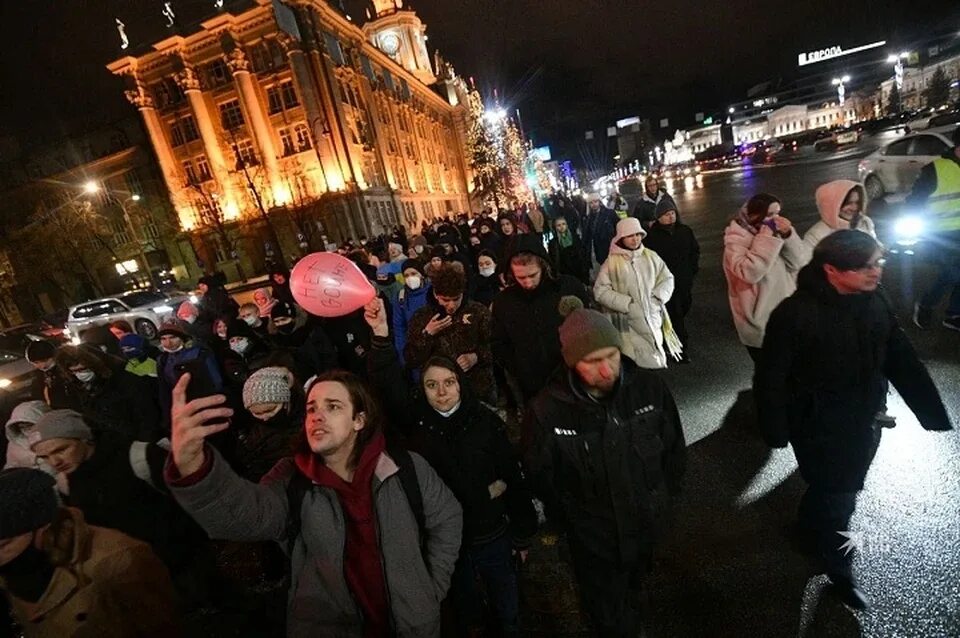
(937, 191)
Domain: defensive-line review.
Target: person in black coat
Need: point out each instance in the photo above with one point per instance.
(599, 228)
(487, 284)
(118, 483)
(606, 453)
(466, 443)
(678, 248)
(646, 208)
(215, 301)
(566, 252)
(110, 397)
(827, 354)
(526, 315)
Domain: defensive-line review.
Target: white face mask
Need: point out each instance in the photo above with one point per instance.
(190, 318)
(172, 350)
(486, 272)
(418, 249)
(413, 282)
(240, 345)
(49, 366)
(251, 321)
(85, 376)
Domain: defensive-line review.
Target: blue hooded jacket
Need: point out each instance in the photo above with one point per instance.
(408, 303)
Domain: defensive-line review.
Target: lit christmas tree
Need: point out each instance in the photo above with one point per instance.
(498, 156)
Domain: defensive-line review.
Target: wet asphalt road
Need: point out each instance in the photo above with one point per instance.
(730, 567)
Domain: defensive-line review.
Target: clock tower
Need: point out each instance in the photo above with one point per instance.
(400, 34)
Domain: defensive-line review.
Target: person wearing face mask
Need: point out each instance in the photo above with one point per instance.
(414, 296)
(274, 401)
(761, 258)
(250, 315)
(48, 384)
(488, 280)
(110, 397)
(304, 339)
(248, 353)
(466, 443)
(842, 205)
(178, 348)
(387, 283)
(566, 252)
(199, 329)
(634, 285)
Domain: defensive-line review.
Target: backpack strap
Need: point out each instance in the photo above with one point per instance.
(297, 489)
(411, 488)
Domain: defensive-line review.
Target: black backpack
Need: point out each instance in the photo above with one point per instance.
(299, 485)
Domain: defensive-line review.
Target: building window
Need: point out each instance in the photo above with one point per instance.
(217, 73)
(133, 182)
(167, 93)
(183, 130)
(302, 135)
(231, 116)
(176, 135)
(243, 150)
(203, 168)
(289, 93)
(287, 141)
(281, 97)
(190, 172)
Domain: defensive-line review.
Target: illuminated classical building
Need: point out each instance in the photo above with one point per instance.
(265, 111)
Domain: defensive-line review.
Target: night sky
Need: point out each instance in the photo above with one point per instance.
(567, 65)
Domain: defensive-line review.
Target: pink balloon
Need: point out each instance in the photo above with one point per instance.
(329, 285)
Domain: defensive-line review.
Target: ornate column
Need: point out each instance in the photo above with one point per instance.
(260, 125)
(161, 146)
(190, 84)
(317, 120)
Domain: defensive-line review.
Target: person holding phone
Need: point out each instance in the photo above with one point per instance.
(761, 258)
(177, 354)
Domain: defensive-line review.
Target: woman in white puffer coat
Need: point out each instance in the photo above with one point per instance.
(633, 285)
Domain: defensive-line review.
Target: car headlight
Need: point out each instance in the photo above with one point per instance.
(5, 383)
(908, 229)
(160, 310)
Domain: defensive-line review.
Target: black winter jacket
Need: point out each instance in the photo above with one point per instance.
(526, 340)
(110, 494)
(125, 403)
(820, 380)
(678, 248)
(469, 450)
(606, 469)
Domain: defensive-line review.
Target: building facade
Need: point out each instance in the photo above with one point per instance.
(286, 126)
(85, 217)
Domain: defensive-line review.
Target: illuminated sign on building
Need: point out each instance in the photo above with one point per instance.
(542, 153)
(821, 55)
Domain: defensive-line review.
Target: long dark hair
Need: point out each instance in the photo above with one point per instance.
(363, 400)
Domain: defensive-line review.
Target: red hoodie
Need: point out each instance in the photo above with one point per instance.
(362, 567)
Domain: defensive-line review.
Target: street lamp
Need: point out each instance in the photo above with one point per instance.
(840, 83)
(897, 62)
(92, 188)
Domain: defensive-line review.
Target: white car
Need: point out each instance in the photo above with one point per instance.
(895, 167)
(145, 310)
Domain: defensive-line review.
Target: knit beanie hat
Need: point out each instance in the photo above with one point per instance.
(173, 327)
(40, 351)
(60, 424)
(585, 331)
(267, 385)
(28, 501)
(412, 263)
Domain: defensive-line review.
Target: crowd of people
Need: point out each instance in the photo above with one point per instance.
(368, 454)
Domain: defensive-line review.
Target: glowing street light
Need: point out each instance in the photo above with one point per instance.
(840, 83)
(897, 62)
(91, 188)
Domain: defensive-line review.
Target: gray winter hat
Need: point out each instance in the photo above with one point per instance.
(267, 385)
(28, 501)
(585, 331)
(61, 424)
